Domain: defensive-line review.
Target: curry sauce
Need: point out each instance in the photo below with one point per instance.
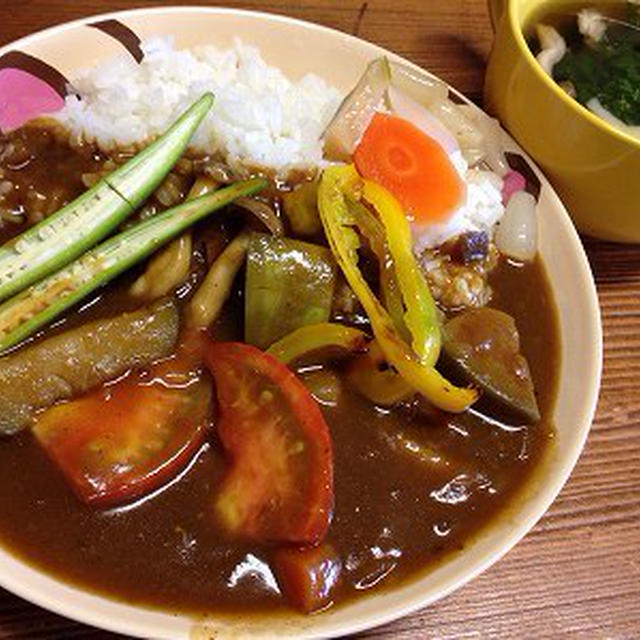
(398, 510)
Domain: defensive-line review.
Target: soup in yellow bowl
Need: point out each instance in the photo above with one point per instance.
(591, 153)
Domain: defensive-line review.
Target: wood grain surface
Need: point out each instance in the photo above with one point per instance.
(577, 574)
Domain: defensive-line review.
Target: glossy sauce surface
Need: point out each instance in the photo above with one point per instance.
(397, 512)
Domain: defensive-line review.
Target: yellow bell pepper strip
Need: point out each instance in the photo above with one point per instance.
(371, 228)
(338, 224)
(420, 317)
(321, 342)
(371, 376)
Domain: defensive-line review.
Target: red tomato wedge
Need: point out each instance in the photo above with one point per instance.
(279, 486)
(307, 576)
(412, 166)
(130, 438)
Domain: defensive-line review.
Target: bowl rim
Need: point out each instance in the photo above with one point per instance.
(411, 603)
(514, 14)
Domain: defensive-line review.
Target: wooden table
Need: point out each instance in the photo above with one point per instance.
(577, 574)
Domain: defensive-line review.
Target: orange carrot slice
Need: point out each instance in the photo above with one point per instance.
(412, 166)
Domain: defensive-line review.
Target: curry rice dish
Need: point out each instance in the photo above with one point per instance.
(280, 395)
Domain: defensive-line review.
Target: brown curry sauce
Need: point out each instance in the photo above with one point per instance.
(394, 516)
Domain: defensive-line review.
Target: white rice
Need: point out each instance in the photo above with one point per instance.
(259, 118)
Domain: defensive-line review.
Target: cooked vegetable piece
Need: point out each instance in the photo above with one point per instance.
(262, 212)
(420, 317)
(344, 242)
(512, 182)
(354, 114)
(307, 576)
(301, 208)
(170, 267)
(73, 362)
(491, 136)
(166, 270)
(63, 236)
(451, 118)
(520, 164)
(23, 314)
(206, 304)
(372, 230)
(517, 232)
(323, 384)
(405, 293)
(317, 343)
(469, 247)
(119, 443)
(417, 84)
(202, 186)
(485, 344)
(289, 285)
(469, 135)
(405, 107)
(279, 485)
(412, 166)
(372, 377)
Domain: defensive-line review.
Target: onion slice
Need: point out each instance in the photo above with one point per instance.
(354, 114)
(490, 142)
(406, 107)
(418, 85)
(263, 212)
(517, 232)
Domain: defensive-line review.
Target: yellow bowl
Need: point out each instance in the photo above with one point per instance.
(594, 167)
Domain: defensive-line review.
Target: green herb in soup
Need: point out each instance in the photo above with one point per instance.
(594, 55)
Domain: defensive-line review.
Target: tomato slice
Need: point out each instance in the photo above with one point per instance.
(279, 486)
(307, 576)
(128, 439)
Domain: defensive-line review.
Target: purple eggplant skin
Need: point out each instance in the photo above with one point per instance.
(484, 346)
(73, 362)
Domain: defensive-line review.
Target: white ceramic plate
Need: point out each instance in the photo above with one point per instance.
(297, 48)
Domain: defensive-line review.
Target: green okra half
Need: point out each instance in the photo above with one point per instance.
(43, 301)
(68, 233)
